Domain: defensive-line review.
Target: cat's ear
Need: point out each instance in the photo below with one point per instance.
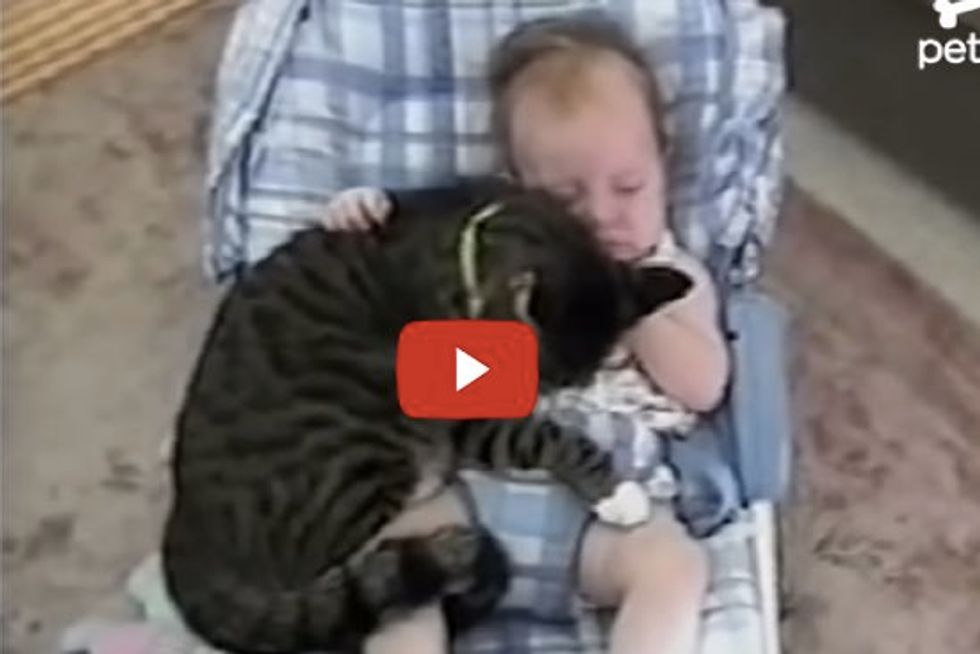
(521, 286)
(648, 288)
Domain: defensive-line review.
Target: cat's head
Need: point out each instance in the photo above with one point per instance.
(524, 256)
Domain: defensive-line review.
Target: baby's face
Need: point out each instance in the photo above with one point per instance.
(602, 156)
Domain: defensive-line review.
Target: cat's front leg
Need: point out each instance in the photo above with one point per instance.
(568, 454)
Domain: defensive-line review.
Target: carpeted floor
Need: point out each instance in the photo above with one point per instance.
(882, 547)
(104, 306)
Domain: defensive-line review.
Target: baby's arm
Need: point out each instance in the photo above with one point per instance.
(681, 346)
(357, 209)
(361, 208)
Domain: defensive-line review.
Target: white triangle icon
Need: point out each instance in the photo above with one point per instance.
(468, 369)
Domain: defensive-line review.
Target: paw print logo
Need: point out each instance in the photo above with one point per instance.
(949, 11)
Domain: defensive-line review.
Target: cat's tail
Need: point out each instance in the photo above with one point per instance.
(247, 611)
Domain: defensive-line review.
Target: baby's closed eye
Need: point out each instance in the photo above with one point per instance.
(628, 190)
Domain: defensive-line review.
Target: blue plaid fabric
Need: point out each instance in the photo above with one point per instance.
(540, 524)
(316, 95)
(731, 620)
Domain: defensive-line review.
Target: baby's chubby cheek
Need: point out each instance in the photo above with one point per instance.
(641, 233)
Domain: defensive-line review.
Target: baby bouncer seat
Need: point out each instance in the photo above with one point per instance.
(314, 96)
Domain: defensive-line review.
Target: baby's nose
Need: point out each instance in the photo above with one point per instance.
(601, 210)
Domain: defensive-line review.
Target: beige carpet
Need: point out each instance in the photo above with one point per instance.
(883, 541)
(104, 306)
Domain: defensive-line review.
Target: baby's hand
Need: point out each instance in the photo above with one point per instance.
(629, 505)
(357, 210)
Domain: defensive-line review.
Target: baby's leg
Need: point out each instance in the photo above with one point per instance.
(656, 574)
(424, 630)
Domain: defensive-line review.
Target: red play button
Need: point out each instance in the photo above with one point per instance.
(467, 369)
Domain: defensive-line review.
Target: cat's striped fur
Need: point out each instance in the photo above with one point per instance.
(292, 453)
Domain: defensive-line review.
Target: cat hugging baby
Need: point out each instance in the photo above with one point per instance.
(576, 114)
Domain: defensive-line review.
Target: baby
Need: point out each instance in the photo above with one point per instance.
(576, 112)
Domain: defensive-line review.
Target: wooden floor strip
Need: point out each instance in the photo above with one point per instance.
(43, 40)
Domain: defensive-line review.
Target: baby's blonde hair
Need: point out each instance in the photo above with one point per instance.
(559, 57)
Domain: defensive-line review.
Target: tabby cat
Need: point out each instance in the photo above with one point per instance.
(292, 452)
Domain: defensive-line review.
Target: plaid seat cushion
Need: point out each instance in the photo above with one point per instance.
(731, 618)
(314, 96)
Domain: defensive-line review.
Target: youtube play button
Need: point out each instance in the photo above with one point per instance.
(468, 369)
(459, 369)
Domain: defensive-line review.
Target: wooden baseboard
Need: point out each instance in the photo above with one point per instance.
(43, 39)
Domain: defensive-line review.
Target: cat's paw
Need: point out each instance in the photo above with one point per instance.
(662, 484)
(629, 505)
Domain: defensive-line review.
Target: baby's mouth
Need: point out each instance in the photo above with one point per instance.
(620, 249)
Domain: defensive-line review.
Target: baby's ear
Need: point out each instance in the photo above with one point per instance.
(650, 287)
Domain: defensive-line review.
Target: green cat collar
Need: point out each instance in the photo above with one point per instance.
(468, 245)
